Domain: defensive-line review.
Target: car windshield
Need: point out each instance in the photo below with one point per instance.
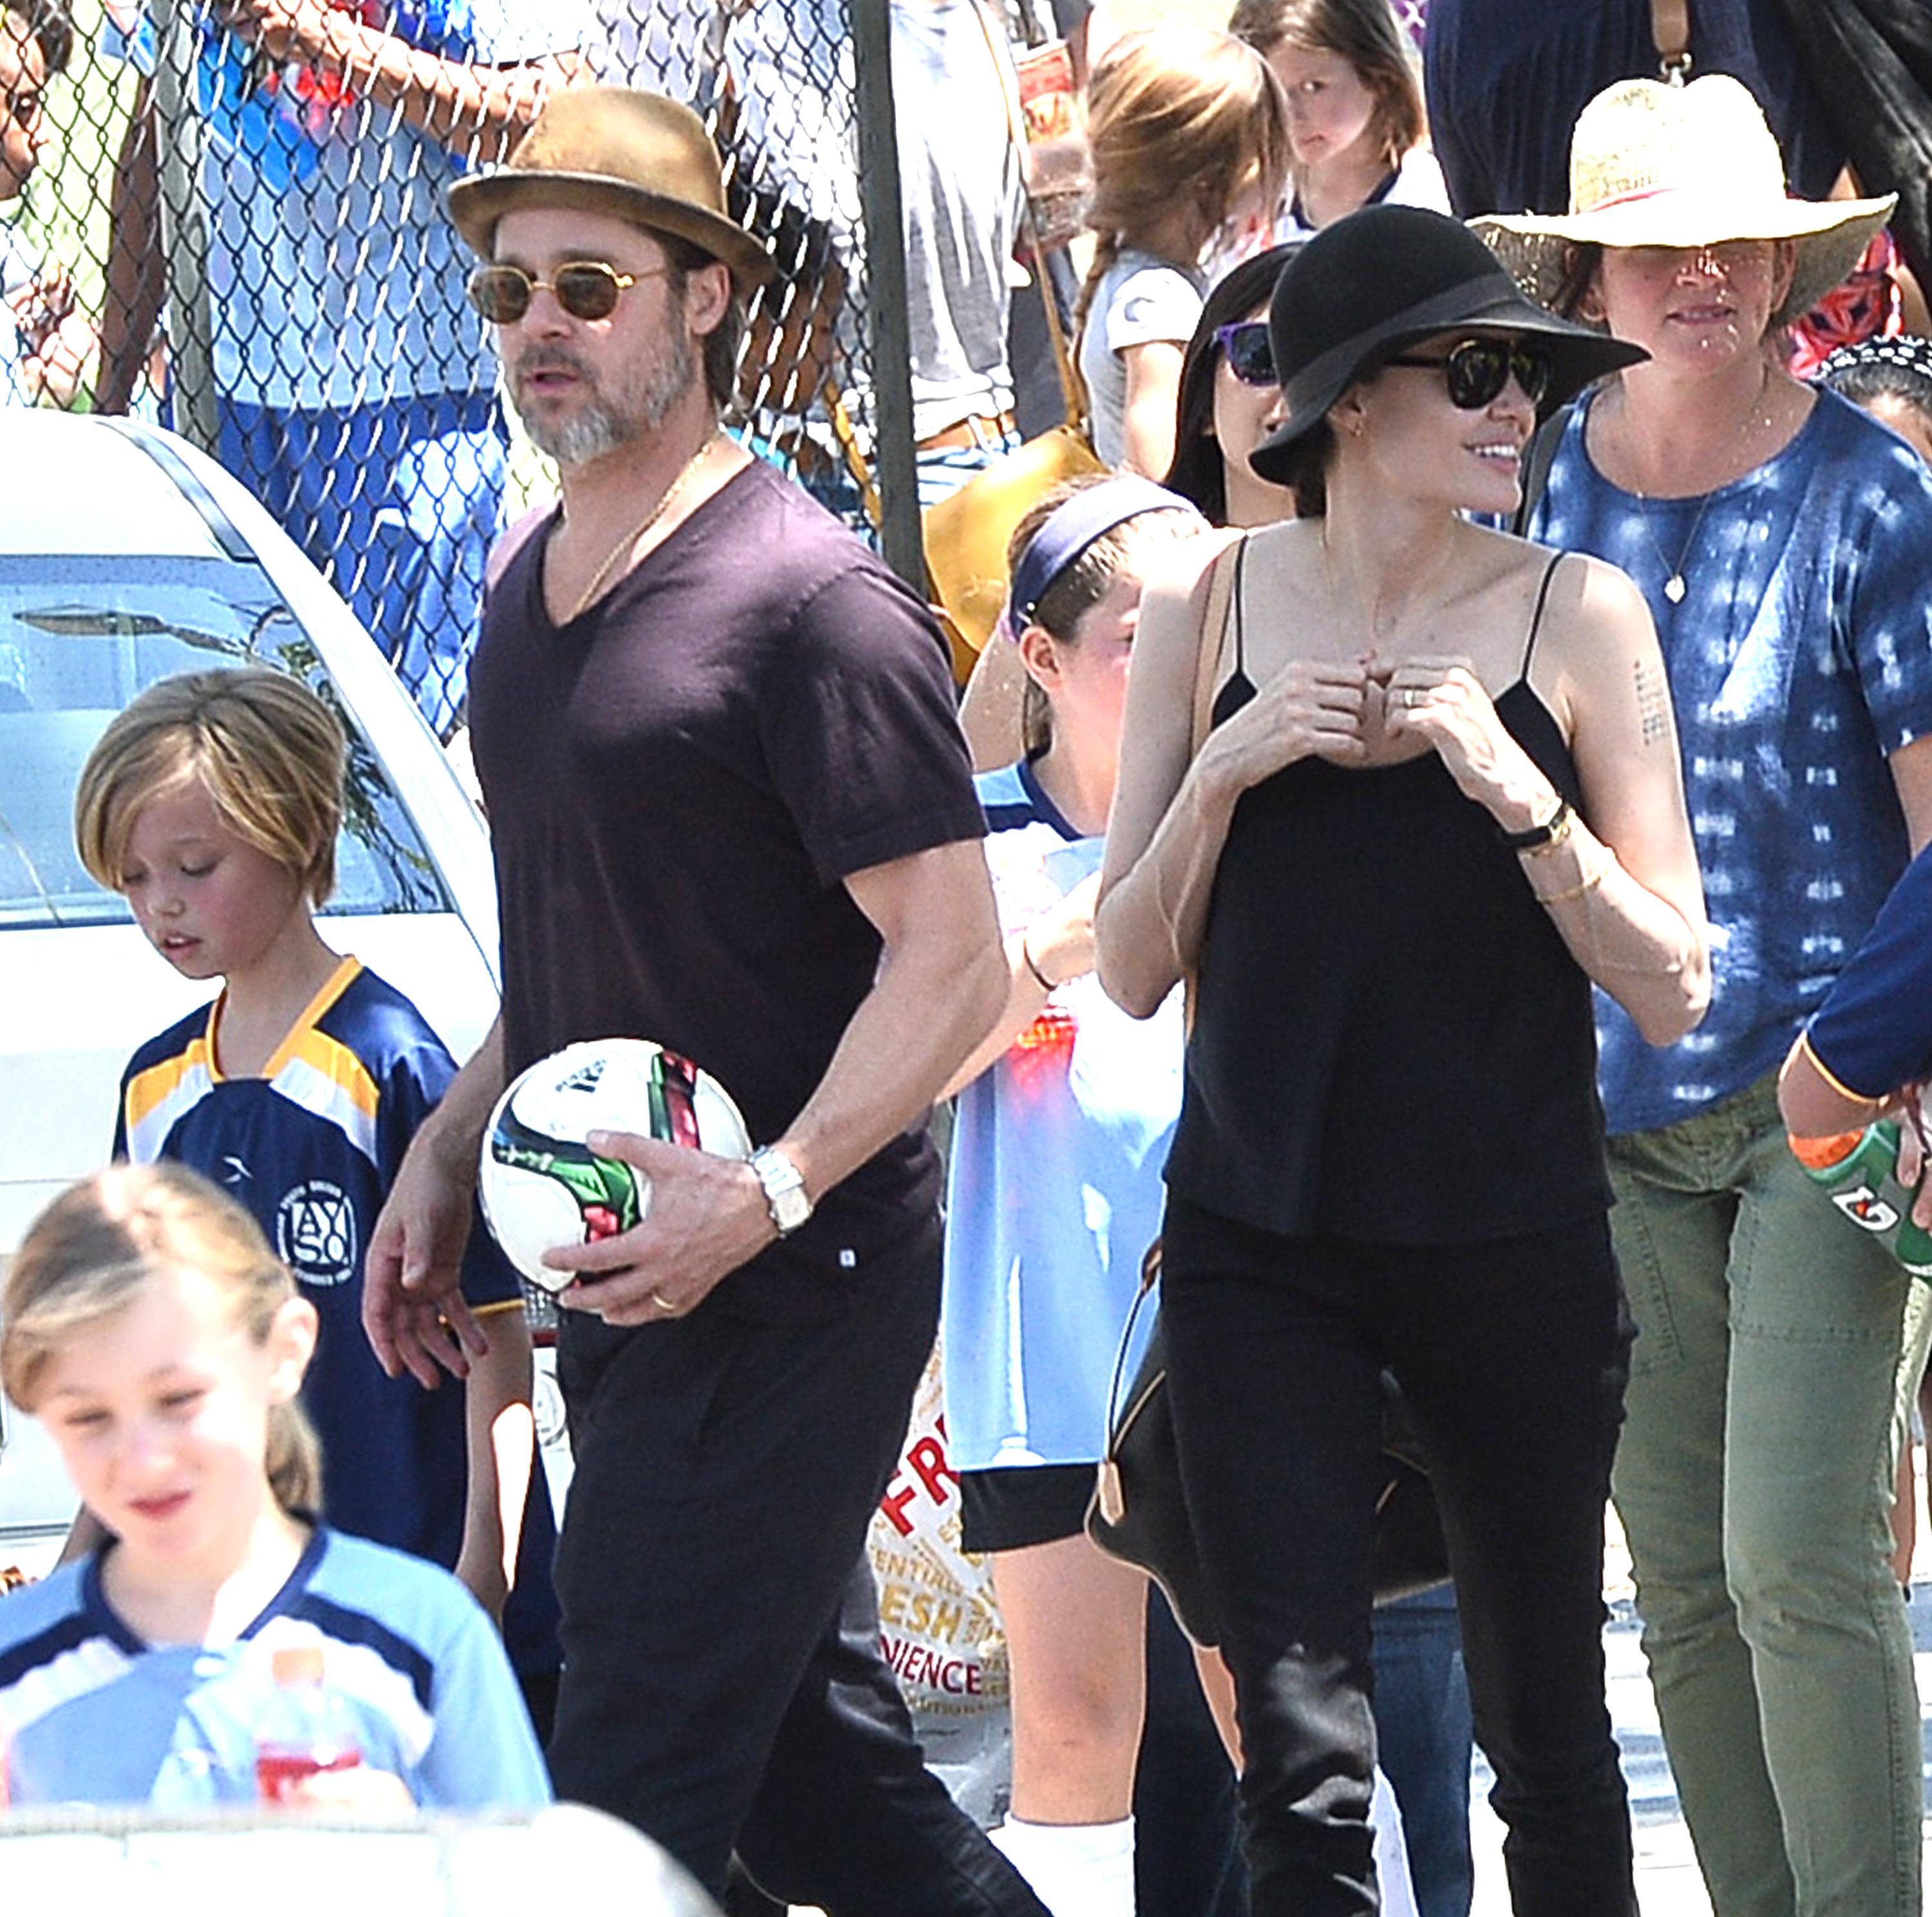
(79, 636)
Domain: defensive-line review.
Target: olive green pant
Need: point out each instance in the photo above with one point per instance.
(1776, 1349)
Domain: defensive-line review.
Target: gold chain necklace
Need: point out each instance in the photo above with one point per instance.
(602, 575)
(1675, 586)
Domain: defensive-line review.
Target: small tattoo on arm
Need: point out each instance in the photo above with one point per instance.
(1653, 703)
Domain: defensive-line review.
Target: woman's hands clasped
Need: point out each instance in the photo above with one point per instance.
(1310, 709)
(1363, 713)
(1441, 702)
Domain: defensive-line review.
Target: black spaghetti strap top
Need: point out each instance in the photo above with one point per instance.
(1390, 1042)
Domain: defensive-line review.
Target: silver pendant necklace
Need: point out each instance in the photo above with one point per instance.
(1675, 585)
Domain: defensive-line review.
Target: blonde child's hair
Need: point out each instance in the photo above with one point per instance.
(89, 1254)
(270, 756)
(1175, 111)
(1365, 33)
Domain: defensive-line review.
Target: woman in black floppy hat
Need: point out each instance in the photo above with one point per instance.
(1439, 796)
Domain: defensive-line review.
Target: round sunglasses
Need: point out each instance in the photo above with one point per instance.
(1475, 370)
(1244, 345)
(585, 288)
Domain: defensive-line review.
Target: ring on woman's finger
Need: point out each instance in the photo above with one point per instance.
(669, 1306)
(1410, 696)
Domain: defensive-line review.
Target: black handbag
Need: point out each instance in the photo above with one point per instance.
(1138, 1512)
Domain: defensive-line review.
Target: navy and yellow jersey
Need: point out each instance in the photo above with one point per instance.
(310, 1148)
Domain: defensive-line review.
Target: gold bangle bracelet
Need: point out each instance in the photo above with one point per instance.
(1573, 891)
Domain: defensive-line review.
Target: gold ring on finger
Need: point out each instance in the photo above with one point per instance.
(666, 1305)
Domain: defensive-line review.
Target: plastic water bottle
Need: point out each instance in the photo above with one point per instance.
(306, 1730)
(1859, 1170)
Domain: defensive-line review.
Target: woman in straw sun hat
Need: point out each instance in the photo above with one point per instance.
(1780, 538)
(1431, 808)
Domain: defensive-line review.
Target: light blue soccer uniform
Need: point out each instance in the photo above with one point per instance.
(1055, 1186)
(309, 1147)
(89, 1713)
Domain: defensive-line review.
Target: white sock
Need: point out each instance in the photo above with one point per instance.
(1398, 1892)
(1075, 1869)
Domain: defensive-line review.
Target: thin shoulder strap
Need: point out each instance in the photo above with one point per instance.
(1224, 582)
(1556, 559)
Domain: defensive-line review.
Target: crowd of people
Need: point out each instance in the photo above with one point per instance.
(1444, 807)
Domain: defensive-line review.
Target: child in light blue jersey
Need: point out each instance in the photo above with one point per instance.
(212, 803)
(151, 1329)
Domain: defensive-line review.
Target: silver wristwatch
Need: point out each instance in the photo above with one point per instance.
(786, 1198)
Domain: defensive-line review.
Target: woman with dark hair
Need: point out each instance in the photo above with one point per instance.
(1439, 797)
(1228, 389)
(1230, 402)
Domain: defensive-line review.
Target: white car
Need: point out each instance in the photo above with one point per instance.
(126, 556)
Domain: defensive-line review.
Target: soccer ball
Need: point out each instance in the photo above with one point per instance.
(542, 1186)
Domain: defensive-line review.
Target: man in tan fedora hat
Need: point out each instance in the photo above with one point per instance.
(731, 812)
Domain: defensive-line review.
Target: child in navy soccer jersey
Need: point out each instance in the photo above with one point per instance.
(150, 1328)
(212, 803)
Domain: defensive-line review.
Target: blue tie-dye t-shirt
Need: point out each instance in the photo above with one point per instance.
(1800, 656)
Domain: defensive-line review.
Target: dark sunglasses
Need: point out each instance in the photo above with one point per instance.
(1244, 345)
(1475, 370)
(585, 288)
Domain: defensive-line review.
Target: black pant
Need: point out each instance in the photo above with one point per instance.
(1512, 1356)
(1187, 1852)
(722, 1683)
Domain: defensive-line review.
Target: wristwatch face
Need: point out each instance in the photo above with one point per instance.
(784, 1190)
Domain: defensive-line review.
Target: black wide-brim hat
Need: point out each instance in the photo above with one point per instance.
(1384, 279)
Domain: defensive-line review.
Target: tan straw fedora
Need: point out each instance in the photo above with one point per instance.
(618, 150)
(1656, 165)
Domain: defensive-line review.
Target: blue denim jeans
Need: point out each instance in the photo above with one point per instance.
(1754, 1480)
(1424, 1741)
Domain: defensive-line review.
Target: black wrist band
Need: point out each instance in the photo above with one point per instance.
(1537, 835)
(1046, 983)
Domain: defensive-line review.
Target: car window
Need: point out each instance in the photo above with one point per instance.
(79, 638)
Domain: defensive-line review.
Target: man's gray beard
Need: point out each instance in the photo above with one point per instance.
(605, 425)
(577, 441)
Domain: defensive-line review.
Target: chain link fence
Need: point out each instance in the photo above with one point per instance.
(235, 227)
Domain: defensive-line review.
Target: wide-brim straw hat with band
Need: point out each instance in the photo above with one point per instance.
(1685, 166)
(1384, 278)
(620, 151)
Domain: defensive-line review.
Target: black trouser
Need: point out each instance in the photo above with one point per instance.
(1512, 1356)
(722, 1684)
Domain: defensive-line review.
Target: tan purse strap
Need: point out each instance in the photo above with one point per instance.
(1073, 387)
(1225, 568)
(1670, 30)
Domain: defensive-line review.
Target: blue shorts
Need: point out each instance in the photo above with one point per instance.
(398, 503)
